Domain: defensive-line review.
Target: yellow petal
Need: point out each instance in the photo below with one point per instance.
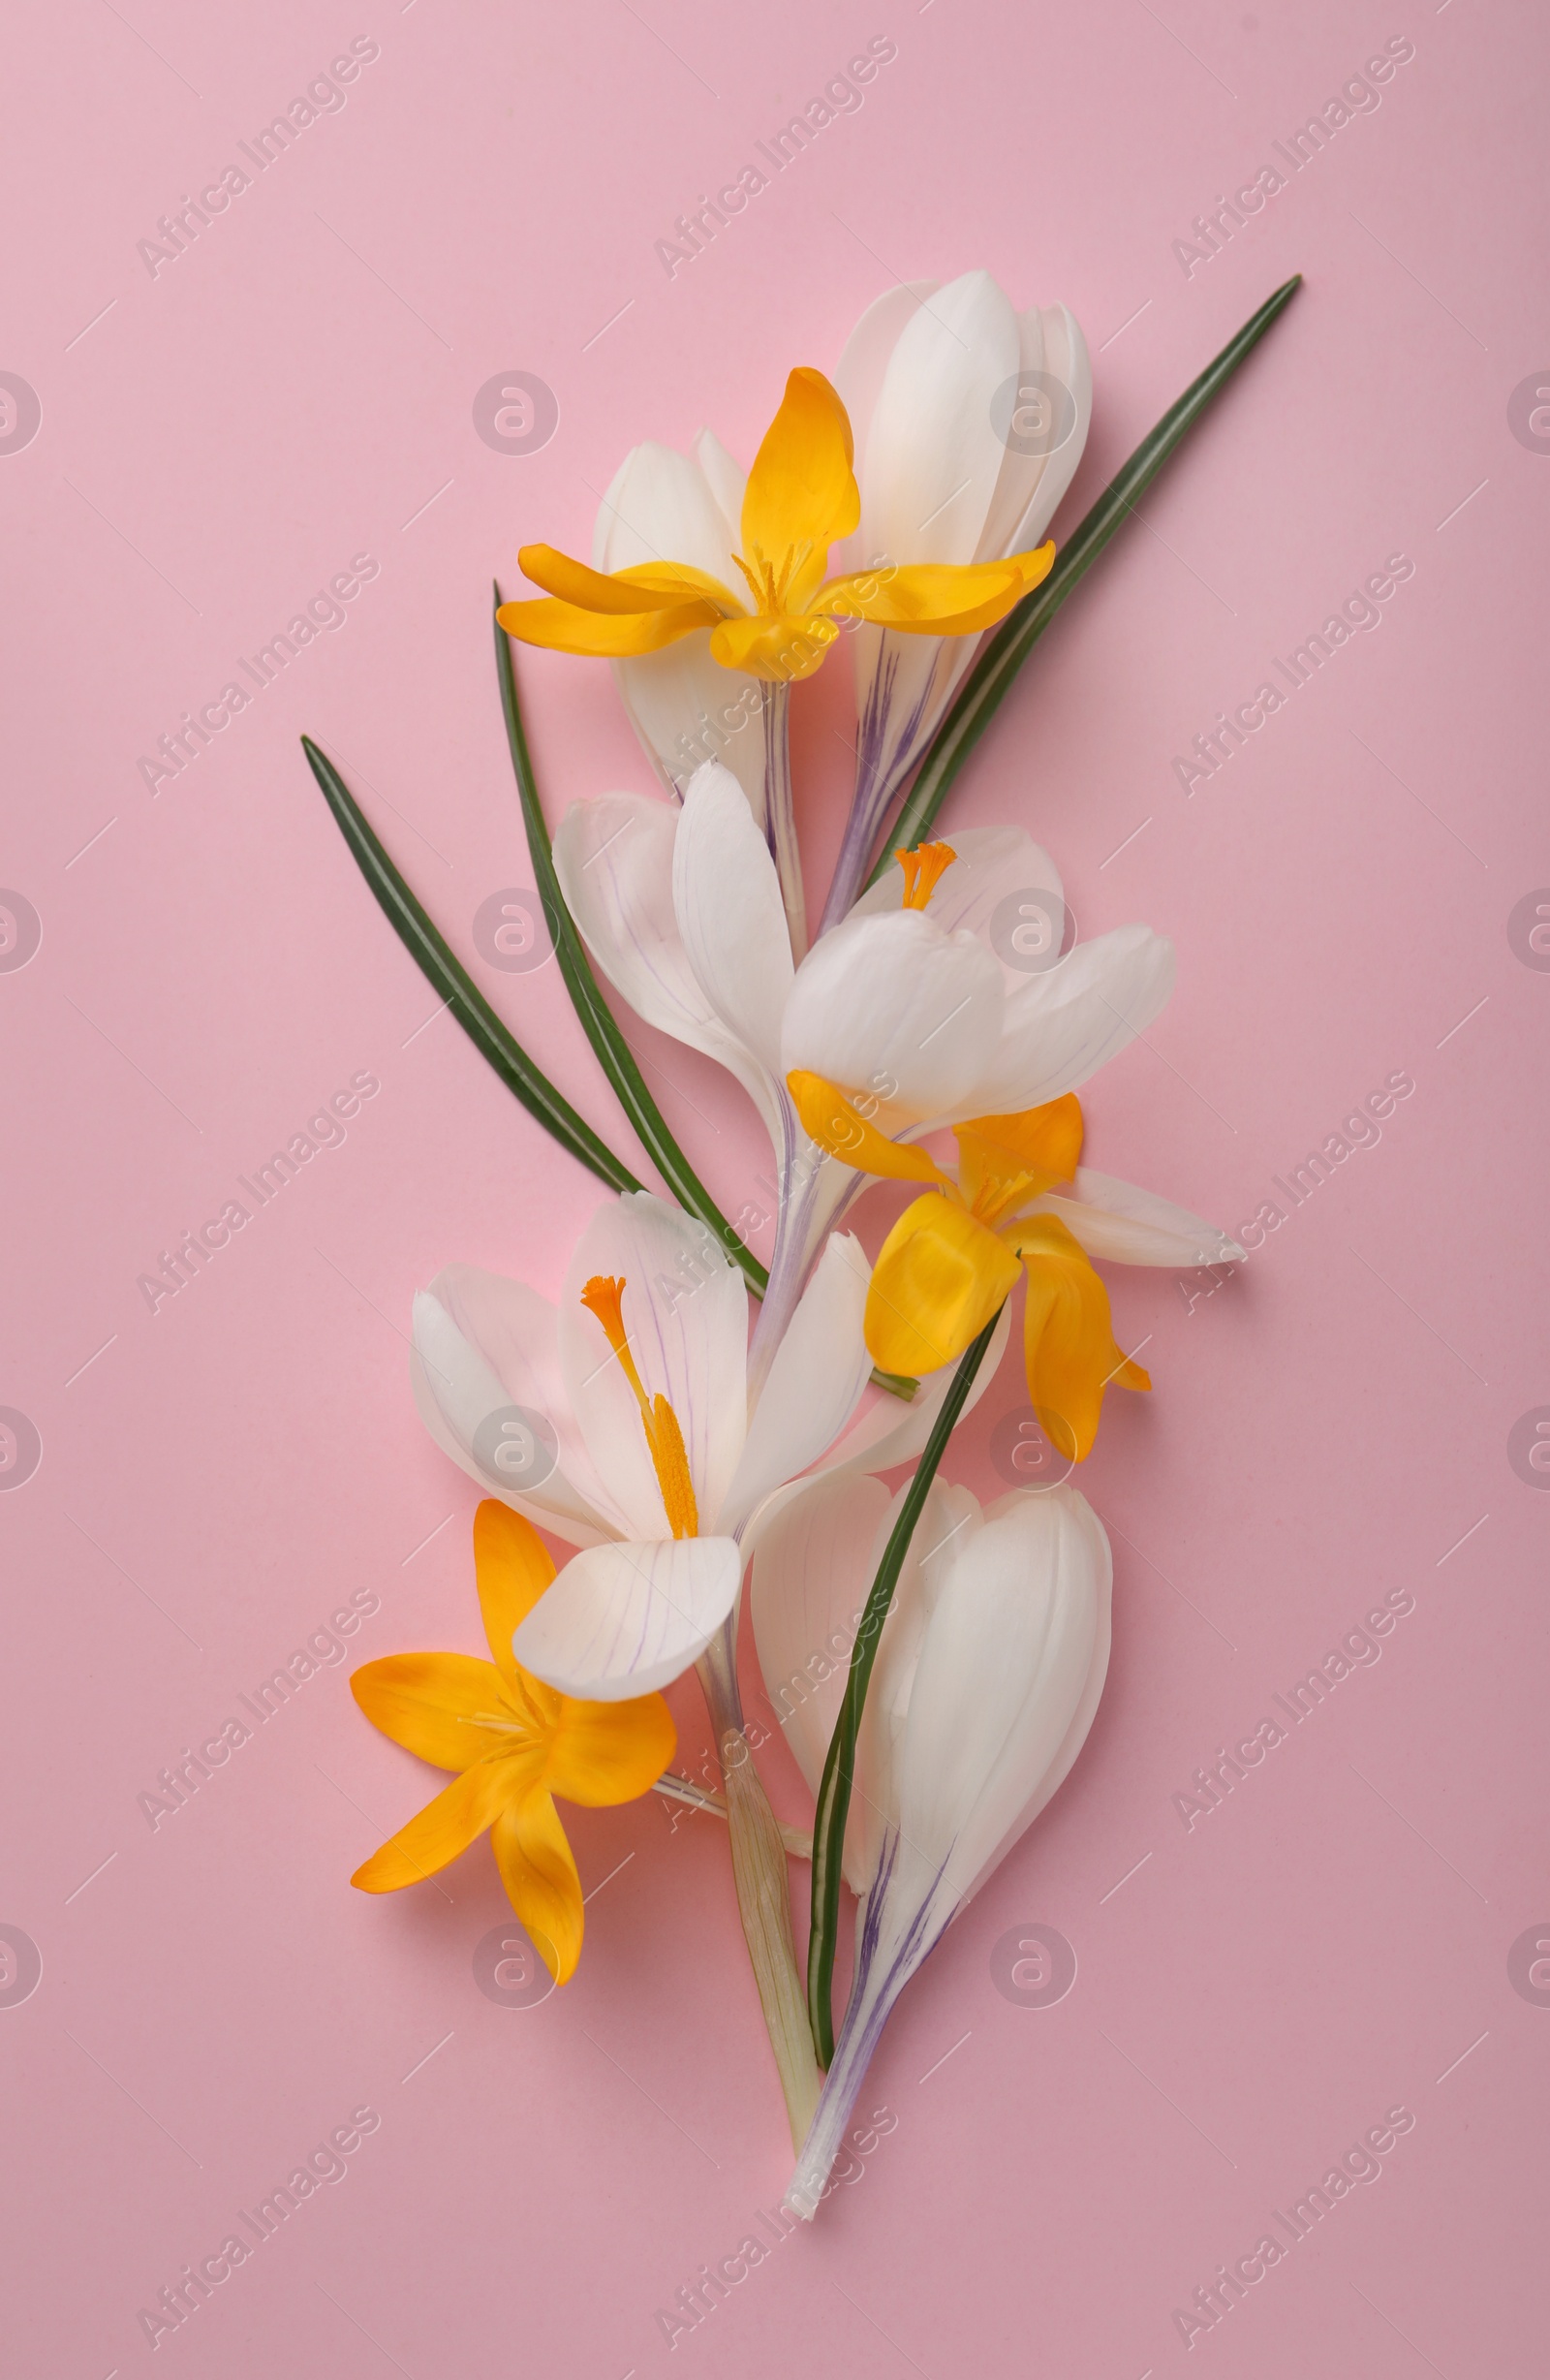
(938, 1279)
(801, 496)
(448, 1825)
(667, 577)
(827, 1118)
(593, 590)
(999, 1154)
(941, 599)
(541, 1885)
(608, 1752)
(512, 1566)
(428, 1703)
(1068, 1336)
(772, 647)
(609, 635)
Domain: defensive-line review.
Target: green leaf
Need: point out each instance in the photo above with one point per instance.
(598, 1022)
(1008, 648)
(839, 1769)
(451, 980)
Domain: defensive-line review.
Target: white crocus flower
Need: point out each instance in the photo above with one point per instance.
(622, 1421)
(921, 1009)
(987, 1678)
(970, 420)
(686, 707)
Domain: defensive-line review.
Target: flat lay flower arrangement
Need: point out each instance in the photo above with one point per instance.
(681, 1420)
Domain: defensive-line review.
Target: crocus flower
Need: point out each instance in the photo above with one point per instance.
(988, 1674)
(970, 422)
(623, 1421)
(683, 705)
(800, 499)
(954, 1256)
(515, 1743)
(918, 1008)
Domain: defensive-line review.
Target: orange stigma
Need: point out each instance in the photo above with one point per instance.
(923, 870)
(603, 1298)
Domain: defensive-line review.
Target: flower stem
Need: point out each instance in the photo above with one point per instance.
(764, 1898)
(675, 1788)
(781, 814)
(839, 1769)
(891, 1945)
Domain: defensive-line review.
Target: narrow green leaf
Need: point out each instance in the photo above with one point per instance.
(598, 1022)
(447, 977)
(1008, 648)
(839, 1769)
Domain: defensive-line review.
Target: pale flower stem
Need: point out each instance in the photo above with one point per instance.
(781, 814)
(887, 1957)
(675, 1788)
(763, 1897)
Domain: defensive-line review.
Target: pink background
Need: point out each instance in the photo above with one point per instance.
(218, 1477)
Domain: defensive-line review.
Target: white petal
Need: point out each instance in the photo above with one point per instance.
(484, 1348)
(626, 1619)
(615, 858)
(992, 863)
(903, 685)
(1059, 1027)
(1051, 344)
(815, 1382)
(864, 358)
(1129, 1226)
(949, 1520)
(1076, 1734)
(685, 707)
(891, 1006)
(1021, 472)
(686, 1315)
(1004, 1668)
(728, 900)
(1065, 361)
(811, 1573)
(727, 481)
(661, 508)
(933, 456)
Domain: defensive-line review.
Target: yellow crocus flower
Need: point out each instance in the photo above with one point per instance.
(801, 498)
(955, 1255)
(515, 1744)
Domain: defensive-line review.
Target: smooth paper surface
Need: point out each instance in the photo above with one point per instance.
(257, 473)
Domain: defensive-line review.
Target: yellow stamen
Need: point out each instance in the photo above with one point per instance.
(665, 1440)
(923, 870)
